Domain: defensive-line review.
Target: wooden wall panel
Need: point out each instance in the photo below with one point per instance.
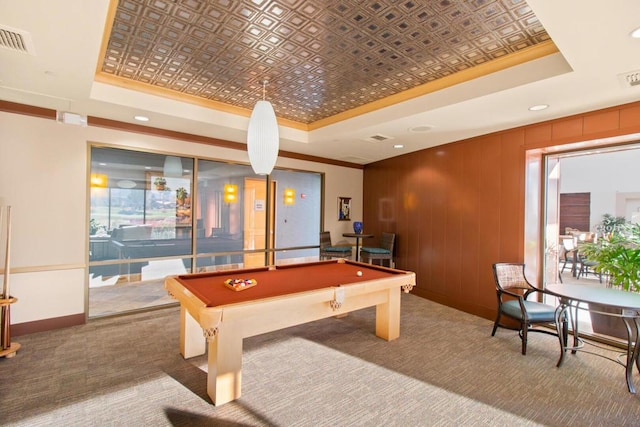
(629, 117)
(567, 129)
(459, 208)
(424, 218)
(575, 211)
(470, 223)
(452, 241)
(602, 122)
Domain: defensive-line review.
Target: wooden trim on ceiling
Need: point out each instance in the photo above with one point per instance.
(183, 97)
(108, 25)
(537, 51)
(110, 79)
(45, 113)
(528, 54)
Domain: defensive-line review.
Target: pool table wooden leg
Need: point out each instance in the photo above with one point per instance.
(192, 341)
(224, 379)
(388, 316)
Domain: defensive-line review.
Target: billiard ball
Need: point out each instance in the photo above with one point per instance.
(359, 273)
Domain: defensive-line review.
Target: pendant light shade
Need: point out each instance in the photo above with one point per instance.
(172, 167)
(263, 139)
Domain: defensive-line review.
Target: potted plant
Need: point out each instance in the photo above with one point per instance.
(610, 224)
(95, 227)
(181, 194)
(617, 254)
(160, 183)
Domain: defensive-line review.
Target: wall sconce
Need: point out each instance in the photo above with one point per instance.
(263, 138)
(98, 180)
(289, 196)
(230, 193)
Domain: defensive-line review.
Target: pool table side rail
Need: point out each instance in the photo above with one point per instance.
(271, 314)
(278, 312)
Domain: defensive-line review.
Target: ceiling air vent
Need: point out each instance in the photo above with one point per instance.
(630, 79)
(16, 40)
(377, 138)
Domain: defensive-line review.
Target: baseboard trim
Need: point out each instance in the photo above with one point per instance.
(48, 324)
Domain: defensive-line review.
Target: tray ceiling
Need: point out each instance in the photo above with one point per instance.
(321, 59)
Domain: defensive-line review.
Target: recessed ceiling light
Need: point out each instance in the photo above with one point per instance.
(398, 146)
(636, 33)
(141, 118)
(425, 128)
(126, 183)
(538, 107)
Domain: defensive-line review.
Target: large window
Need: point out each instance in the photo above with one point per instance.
(152, 215)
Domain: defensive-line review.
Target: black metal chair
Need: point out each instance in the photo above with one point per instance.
(328, 251)
(512, 290)
(587, 266)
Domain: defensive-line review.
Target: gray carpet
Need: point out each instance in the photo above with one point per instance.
(445, 369)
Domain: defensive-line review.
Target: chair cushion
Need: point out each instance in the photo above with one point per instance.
(536, 311)
(336, 249)
(375, 250)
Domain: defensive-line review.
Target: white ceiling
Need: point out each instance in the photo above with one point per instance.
(593, 39)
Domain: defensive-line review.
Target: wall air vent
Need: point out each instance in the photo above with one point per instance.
(630, 79)
(16, 40)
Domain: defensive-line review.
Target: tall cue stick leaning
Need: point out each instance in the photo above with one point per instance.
(7, 349)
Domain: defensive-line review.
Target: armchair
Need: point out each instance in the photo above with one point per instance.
(328, 251)
(512, 290)
(382, 253)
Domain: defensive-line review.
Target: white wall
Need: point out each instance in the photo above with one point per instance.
(43, 176)
(613, 179)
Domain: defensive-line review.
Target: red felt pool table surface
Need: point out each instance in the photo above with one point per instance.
(282, 280)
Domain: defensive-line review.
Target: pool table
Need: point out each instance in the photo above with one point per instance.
(284, 296)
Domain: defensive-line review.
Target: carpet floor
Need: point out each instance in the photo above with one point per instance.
(445, 369)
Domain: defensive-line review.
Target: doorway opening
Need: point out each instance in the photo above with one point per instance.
(581, 187)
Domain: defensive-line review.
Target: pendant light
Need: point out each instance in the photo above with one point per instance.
(262, 136)
(172, 167)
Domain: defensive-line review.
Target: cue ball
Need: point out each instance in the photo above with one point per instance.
(359, 273)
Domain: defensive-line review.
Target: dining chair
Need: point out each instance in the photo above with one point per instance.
(512, 289)
(587, 266)
(569, 255)
(328, 251)
(384, 252)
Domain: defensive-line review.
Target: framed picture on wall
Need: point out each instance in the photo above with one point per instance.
(344, 208)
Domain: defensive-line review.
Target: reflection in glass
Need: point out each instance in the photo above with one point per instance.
(146, 223)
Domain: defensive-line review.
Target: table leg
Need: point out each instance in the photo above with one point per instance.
(224, 377)
(357, 248)
(388, 316)
(632, 352)
(562, 327)
(636, 349)
(574, 325)
(192, 342)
